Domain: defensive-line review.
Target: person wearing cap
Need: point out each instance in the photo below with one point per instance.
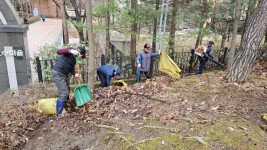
(143, 61)
(64, 66)
(106, 72)
(207, 54)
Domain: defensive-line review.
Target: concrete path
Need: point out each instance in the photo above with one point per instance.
(41, 33)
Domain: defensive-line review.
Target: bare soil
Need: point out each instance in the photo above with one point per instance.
(194, 112)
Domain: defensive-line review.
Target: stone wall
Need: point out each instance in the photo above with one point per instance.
(13, 49)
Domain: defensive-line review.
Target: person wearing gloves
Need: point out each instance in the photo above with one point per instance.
(64, 66)
(143, 61)
(106, 72)
(204, 52)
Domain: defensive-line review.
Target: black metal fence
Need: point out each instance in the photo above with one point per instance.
(187, 61)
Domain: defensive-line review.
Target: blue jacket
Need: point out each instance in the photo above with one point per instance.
(144, 59)
(107, 72)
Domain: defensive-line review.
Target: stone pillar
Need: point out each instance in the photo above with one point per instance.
(13, 49)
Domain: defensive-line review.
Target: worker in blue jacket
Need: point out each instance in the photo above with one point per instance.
(106, 72)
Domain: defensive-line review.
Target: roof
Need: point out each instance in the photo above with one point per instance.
(71, 13)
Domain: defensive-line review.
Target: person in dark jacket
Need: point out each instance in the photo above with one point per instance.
(143, 61)
(64, 66)
(25, 20)
(203, 59)
(106, 72)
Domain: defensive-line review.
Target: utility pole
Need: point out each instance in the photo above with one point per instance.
(163, 20)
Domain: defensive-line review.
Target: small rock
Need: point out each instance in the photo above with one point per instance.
(231, 129)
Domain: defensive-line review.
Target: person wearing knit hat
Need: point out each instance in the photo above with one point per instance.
(143, 61)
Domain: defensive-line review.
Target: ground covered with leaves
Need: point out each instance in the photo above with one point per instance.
(194, 112)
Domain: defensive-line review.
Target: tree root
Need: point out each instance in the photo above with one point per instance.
(131, 144)
(199, 139)
(155, 127)
(119, 133)
(151, 139)
(106, 126)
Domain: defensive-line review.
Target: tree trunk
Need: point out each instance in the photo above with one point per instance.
(199, 42)
(91, 52)
(206, 22)
(107, 32)
(154, 37)
(226, 31)
(133, 35)
(224, 36)
(245, 59)
(64, 24)
(234, 35)
(155, 29)
(173, 25)
(27, 9)
(251, 7)
(77, 10)
(57, 4)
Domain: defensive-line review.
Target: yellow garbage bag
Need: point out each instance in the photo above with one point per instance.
(264, 117)
(47, 106)
(167, 65)
(120, 83)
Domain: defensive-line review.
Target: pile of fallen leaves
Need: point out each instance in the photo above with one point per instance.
(133, 102)
(17, 118)
(164, 99)
(260, 69)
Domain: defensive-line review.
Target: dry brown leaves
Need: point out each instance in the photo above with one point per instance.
(16, 117)
(134, 102)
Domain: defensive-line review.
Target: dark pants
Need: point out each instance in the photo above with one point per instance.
(147, 74)
(102, 79)
(62, 84)
(202, 65)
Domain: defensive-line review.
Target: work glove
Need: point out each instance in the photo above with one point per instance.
(74, 52)
(78, 77)
(139, 65)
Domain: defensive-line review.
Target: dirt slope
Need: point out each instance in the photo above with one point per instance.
(195, 112)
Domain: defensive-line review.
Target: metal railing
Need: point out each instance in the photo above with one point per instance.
(187, 62)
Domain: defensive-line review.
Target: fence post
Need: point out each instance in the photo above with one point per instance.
(112, 54)
(39, 69)
(224, 55)
(103, 60)
(192, 59)
(51, 63)
(46, 64)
